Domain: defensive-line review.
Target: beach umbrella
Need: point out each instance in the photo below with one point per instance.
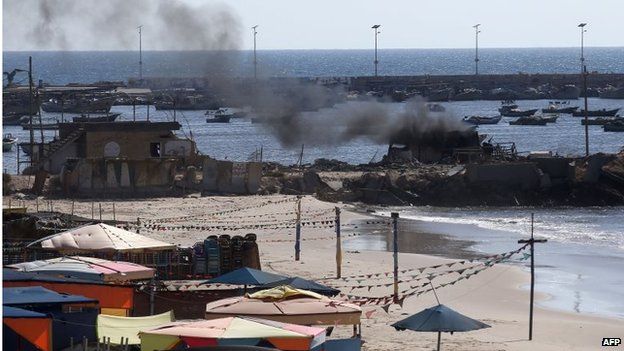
(300, 283)
(246, 276)
(439, 319)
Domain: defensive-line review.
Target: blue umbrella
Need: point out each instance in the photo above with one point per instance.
(439, 319)
(246, 276)
(300, 283)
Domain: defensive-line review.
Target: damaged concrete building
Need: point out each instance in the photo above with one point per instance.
(433, 146)
(117, 156)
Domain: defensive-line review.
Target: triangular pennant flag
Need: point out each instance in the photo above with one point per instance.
(386, 308)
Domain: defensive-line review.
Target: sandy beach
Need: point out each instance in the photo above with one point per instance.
(495, 296)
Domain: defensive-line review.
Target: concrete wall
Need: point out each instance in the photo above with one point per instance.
(120, 175)
(525, 175)
(231, 177)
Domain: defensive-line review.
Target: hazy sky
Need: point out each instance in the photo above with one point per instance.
(312, 24)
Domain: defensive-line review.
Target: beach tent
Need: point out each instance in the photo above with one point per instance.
(246, 276)
(100, 237)
(300, 283)
(288, 305)
(114, 299)
(115, 327)
(88, 268)
(439, 319)
(20, 324)
(232, 331)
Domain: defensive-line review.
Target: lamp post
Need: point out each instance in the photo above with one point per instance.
(255, 61)
(583, 30)
(375, 28)
(140, 54)
(477, 31)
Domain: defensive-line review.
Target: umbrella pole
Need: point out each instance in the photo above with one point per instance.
(439, 336)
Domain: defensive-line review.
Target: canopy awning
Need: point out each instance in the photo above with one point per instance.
(88, 268)
(294, 306)
(100, 237)
(115, 327)
(233, 331)
(33, 295)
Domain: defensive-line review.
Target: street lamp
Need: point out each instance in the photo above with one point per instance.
(375, 28)
(140, 55)
(255, 61)
(477, 31)
(583, 30)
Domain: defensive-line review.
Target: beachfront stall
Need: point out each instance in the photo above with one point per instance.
(25, 330)
(114, 299)
(232, 331)
(73, 316)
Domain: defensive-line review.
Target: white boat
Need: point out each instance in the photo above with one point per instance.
(7, 142)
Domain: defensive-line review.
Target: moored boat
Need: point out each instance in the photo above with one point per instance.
(529, 121)
(550, 118)
(596, 113)
(79, 105)
(614, 126)
(37, 126)
(8, 141)
(559, 107)
(220, 115)
(477, 120)
(600, 121)
(516, 112)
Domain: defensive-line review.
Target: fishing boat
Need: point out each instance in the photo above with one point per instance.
(478, 120)
(529, 121)
(220, 115)
(8, 141)
(614, 126)
(550, 118)
(596, 113)
(14, 120)
(600, 121)
(559, 107)
(106, 118)
(508, 105)
(516, 112)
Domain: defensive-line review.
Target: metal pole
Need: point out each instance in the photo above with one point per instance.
(148, 106)
(439, 337)
(255, 60)
(395, 246)
(298, 230)
(92, 210)
(114, 217)
(100, 206)
(531, 243)
(477, 31)
(375, 28)
(152, 292)
(133, 110)
(30, 111)
(586, 116)
(140, 54)
(72, 208)
(338, 245)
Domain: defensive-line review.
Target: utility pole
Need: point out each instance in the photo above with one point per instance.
(298, 230)
(395, 247)
(477, 31)
(376, 29)
(338, 245)
(140, 55)
(532, 242)
(255, 59)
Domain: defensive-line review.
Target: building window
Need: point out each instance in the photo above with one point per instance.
(155, 149)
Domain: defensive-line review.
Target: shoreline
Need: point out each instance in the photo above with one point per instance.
(554, 297)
